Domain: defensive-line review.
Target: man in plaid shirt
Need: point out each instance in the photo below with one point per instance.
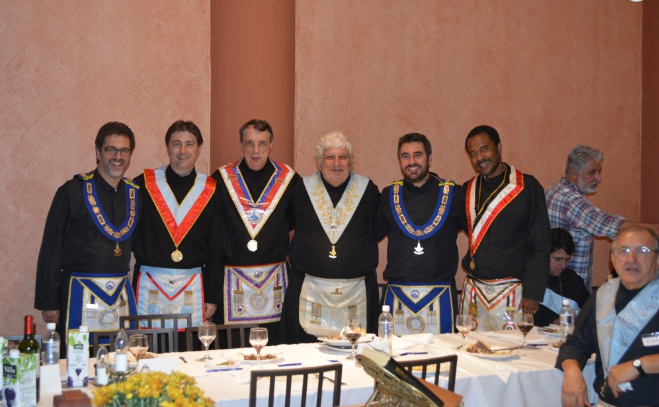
(569, 208)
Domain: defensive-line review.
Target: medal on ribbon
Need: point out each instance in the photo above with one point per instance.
(256, 213)
(433, 224)
(178, 219)
(116, 234)
(480, 219)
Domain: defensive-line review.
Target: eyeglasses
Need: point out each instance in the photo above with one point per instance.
(113, 150)
(640, 252)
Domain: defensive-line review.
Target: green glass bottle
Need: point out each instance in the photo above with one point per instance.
(31, 345)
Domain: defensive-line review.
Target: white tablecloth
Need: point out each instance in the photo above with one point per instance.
(527, 379)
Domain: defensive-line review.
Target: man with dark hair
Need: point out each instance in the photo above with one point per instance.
(569, 208)
(177, 249)
(422, 215)
(83, 265)
(619, 323)
(254, 205)
(562, 283)
(509, 239)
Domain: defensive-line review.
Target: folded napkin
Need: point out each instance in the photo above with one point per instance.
(533, 338)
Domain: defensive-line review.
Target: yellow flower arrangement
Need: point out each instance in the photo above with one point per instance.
(152, 389)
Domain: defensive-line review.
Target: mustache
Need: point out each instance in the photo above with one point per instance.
(486, 161)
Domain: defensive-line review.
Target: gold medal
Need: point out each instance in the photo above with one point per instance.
(332, 254)
(177, 256)
(117, 251)
(472, 264)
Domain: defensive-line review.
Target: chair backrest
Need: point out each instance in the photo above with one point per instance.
(228, 331)
(160, 340)
(319, 375)
(437, 362)
(156, 321)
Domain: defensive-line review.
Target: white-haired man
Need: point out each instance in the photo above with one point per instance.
(568, 208)
(620, 324)
(333, 252)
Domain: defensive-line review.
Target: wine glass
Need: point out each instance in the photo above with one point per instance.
(352, 332)
(258, 338)
(464, 323)
(207, 334)
(138, 345)
(525, 324)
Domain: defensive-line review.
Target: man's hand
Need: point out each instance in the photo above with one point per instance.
(50, 316)
(209, 310)
(624, 372)
(529, 306)
(574, 392)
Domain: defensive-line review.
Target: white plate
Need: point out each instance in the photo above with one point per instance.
(549, 331)
(218, 364)
(493, 356)
(344, 342)
(239, 358)
(335, 349)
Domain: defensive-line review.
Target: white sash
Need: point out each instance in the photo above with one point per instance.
(615, 333)
(326, 304)
(491, 207)
(554, 301)
(335, 220)
(179, 211)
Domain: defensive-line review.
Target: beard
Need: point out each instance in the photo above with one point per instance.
(587, 189)
(423, 172)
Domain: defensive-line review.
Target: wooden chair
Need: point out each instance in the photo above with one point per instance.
(160, 340)
(452, 360)
(317, 371)
(133, 322)
(227, 330)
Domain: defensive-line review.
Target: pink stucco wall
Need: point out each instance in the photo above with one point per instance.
(547, 75)
(66, 68)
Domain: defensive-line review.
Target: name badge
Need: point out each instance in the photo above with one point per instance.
(92, 306)
(650, 339)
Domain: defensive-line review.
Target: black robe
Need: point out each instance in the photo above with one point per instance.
(72, 243)
(201, 246)
(273, 238)
(573, 288)
(357, 254)
(584, 342)
(518, 242)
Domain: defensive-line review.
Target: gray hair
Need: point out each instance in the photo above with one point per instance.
(579, 157)
(335, 139)
(639, 228)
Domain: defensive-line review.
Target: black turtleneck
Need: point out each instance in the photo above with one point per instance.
(256, 180)
(335, 193)
(201, 246)
(439, 261)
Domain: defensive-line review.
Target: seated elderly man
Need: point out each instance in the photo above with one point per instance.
(333, 253)
(562, 283)
(620, 323)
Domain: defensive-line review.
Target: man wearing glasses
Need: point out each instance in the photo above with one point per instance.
(177, 250)
(82, 270)
(620, 323)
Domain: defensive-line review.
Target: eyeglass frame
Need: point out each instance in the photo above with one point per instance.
(636, 250)
(125, 152)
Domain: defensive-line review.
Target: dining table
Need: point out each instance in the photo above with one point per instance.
(525, 377)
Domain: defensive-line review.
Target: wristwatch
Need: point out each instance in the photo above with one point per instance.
(639, 366)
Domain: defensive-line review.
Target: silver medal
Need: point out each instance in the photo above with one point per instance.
(252, 245)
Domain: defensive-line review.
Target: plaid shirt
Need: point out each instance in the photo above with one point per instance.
(570, 209)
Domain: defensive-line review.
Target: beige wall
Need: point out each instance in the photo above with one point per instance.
(547, 75)
(66, 69)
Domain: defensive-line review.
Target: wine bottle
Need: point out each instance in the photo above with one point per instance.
(31, 345)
